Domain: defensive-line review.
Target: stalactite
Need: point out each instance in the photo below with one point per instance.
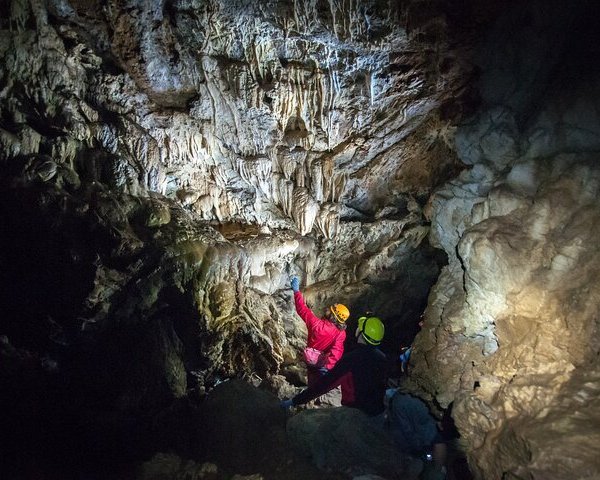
(328, 220)
(284, 189)
(301, 174)
(327, 174)
(228, 120)
(304, 210)
(276, 196)
(317, 181)
(307, 92)
(217, 173)
(286, 162)
(337, 187)
(257, 172)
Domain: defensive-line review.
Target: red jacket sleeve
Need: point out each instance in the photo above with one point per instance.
(304, 312)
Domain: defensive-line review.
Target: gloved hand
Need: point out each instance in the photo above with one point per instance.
(404, 357)
(405, 354)
(323, 370)
(286, 404)
(295, 284)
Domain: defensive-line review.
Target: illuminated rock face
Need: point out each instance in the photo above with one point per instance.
(512, 324)
(219, 147)
(252, 112)
(168, 165)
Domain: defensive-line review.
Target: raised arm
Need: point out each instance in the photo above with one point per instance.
(303, 311)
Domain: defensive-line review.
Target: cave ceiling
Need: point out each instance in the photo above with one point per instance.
(166, 166)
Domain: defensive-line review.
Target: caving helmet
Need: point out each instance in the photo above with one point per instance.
(371, 329)
(340, 312)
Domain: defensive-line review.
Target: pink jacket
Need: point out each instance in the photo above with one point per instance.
(322, 334)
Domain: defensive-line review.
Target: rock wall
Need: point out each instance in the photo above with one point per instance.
(511, 335)
(258, 113)
(167, 165)
(231, 144)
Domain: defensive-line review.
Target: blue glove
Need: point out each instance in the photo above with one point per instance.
(295, 284)
(323, 370)
(405, 355)
(286, 404)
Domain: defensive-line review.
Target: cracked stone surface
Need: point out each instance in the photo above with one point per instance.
(166, 166)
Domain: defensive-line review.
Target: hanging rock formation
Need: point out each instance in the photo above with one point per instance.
(212, 149)
(166, 166)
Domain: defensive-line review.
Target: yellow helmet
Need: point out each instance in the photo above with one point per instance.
(372, 329)
(340, 312)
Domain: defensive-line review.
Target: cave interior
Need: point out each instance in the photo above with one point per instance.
(166, 167)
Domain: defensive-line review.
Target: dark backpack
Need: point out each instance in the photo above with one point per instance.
(410, 423)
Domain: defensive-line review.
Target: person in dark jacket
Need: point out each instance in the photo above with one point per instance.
(415, 431)
(326, 335)
(360, 373)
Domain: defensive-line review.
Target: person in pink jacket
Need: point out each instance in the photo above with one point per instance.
(326, 336)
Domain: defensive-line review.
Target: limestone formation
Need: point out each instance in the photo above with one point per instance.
(511, 324)
(165, 167)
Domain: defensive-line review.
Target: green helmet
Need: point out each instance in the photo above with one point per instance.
(372, 329)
